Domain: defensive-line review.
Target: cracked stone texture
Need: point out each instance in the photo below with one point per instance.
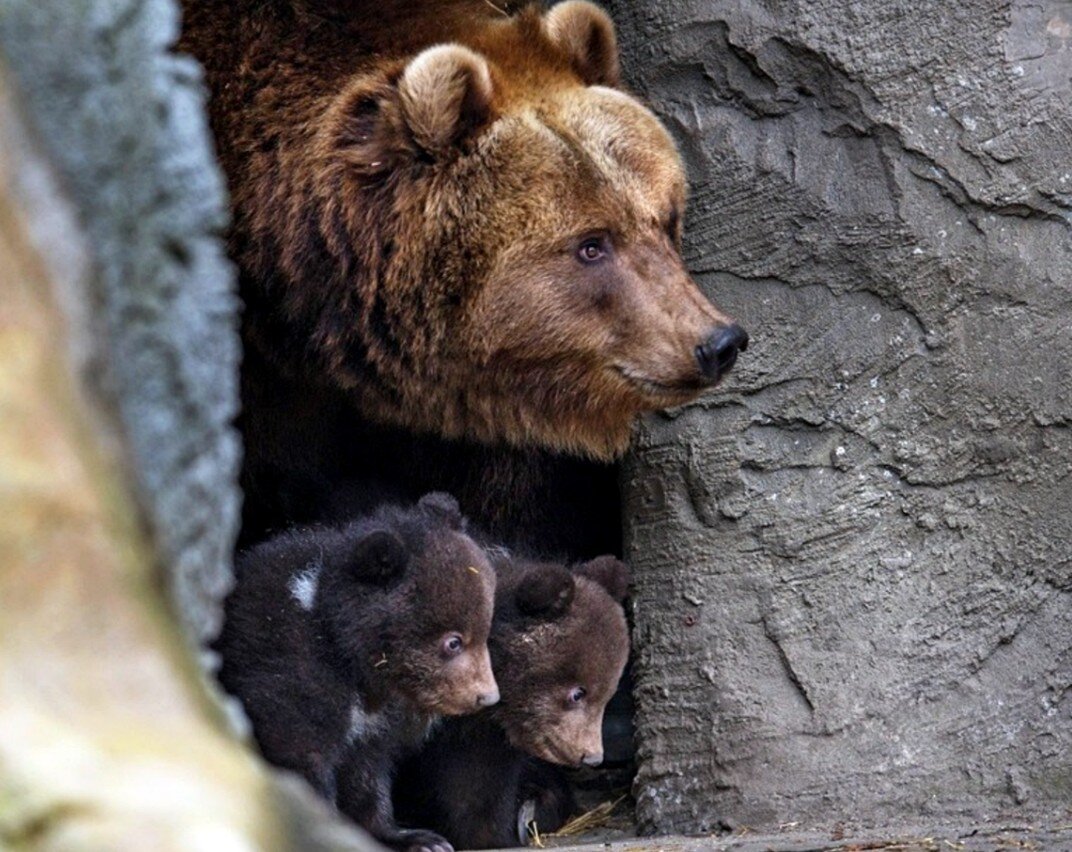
(123, 122)
(853, 564)
(118, 368)
(107, 740)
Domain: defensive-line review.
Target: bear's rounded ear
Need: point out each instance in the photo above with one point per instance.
(586, 34)
(378, 556)
(612, 574)
(446, 94)
(364, 127)
(444, 507)
(546, 591)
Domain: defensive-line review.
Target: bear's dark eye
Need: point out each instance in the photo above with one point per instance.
(593, 249)
(453, 645)
(576, 695)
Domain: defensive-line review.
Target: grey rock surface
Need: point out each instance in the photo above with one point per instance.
(997, 837)
(123, 122)
(127, 203)
(853, 563)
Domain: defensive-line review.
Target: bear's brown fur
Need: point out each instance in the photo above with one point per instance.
(558, 645)
(449, 222)
(345, 645)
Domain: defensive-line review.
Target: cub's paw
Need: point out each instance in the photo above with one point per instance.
(526, 816)
(422, 841)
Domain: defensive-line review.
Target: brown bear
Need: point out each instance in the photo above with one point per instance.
(558, 645)
(345, 645)
(458, 241)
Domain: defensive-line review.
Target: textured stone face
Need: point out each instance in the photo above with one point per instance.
(852, 565)
(122, 119)
(118, 373)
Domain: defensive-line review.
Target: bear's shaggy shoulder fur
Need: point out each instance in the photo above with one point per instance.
(345, 644)
(558, 644)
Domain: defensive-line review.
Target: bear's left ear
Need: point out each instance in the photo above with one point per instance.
(378, 556)
(586, 34)
(446, 95)
(612, 574)
(545, 591)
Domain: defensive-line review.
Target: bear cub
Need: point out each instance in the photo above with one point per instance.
(344, 644)
(559, 643)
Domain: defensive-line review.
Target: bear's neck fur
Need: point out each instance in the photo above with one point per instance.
(310, 457)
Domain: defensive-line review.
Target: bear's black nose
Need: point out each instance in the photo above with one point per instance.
(718, 353)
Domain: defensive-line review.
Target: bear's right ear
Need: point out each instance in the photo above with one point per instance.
(612, 574)
(441, 505)
(446, 95)
(586, 34)
(546, 591)
(377, 557)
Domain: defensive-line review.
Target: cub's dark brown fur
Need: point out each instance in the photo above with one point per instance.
(345, 644)
(558, 645)
(458, 242)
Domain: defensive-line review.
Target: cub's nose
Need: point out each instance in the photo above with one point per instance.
(592, 759)
(718, 353)
(486, 699)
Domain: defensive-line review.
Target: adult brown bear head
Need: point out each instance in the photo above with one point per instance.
(504, 224)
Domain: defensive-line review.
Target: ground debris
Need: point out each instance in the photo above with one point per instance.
(995, 837)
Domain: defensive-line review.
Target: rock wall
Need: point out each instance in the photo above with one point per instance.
(118, 492)
(122, 121)
(854, 562)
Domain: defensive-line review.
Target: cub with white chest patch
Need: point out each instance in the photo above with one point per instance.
(345, 644)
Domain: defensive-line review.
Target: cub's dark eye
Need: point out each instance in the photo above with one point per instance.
(576, 695)
(593, 250)
(453, 645)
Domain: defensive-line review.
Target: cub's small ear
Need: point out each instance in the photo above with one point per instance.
(446, 95)
(612, 574)
(444, 507)
(546, 591)
(378, 556)
(586, 34)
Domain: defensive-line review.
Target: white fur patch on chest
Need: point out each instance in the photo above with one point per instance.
(364, 725)
(303, 585)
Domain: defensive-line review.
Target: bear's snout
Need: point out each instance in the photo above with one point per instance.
(718, 353)
(484, 690)
(594, 759)
(487, 699)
